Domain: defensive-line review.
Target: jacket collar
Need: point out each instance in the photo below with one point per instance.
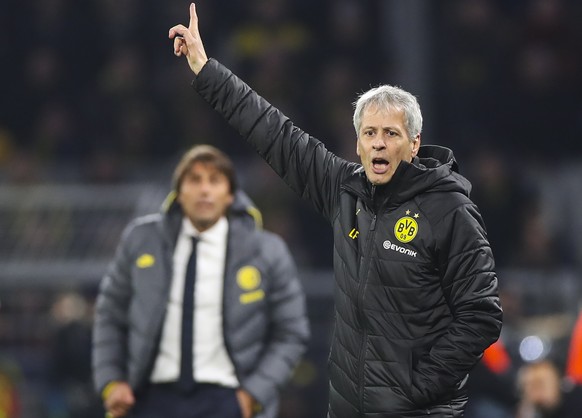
(434, 168)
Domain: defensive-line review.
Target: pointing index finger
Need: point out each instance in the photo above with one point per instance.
(193, 25)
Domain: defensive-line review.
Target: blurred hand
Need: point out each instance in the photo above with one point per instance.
(246, 403)
(187, 42)
(119, 400)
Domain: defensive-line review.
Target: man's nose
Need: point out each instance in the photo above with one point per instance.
(378, 144)
(205, 186)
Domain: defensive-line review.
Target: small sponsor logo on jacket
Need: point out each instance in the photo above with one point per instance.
(402, 250)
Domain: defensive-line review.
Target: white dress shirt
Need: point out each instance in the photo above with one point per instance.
(211, 363)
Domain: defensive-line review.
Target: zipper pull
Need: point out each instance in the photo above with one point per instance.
(373, 224)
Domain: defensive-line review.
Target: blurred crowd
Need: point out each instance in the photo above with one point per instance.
(92, 94)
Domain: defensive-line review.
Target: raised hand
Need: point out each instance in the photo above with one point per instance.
(187, 42)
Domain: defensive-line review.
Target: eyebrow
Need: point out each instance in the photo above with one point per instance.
(390, 127)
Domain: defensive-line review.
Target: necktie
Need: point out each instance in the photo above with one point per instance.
(186, 380)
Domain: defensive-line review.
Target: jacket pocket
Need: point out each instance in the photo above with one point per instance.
(390, 366)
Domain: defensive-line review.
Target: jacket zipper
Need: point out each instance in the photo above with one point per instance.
(360, 310)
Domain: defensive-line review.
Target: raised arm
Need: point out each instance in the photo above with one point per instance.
(302, 161)
(187, 42)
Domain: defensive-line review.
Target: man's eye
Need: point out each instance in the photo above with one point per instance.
(369, 133)
(392, 133)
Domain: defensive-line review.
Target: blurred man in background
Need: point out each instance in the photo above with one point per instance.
(201, 313)
(545, 394)
(416, 298)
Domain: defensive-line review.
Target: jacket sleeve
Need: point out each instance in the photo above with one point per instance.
(299, 159)
(469, 284)
(288, 326)
(110, 326)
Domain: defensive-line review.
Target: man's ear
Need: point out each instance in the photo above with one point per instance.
(415, 145)
(357, 147)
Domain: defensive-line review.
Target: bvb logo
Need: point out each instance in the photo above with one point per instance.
(405, 229)
(248, 278)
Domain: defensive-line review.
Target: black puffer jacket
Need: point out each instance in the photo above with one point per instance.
(416, 296)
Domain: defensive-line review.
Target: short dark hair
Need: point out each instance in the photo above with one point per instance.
(206, 154)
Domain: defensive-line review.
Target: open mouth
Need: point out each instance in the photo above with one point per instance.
(380, 165)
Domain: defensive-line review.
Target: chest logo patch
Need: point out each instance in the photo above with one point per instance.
(248, 278)
(405, 229)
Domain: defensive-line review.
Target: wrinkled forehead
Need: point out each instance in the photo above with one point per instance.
(377, 112)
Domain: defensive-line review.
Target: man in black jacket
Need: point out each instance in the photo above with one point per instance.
(416, 298)
(201, 313)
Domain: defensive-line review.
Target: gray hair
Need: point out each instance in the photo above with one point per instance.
(390, 97)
